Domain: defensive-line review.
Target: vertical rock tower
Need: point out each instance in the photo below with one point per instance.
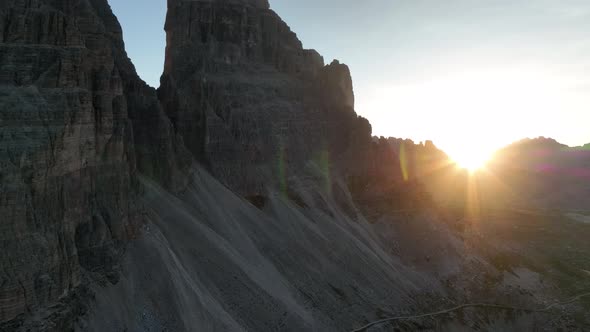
(245, 96)
(76, 124)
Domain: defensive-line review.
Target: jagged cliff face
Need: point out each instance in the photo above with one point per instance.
(78, 125)
(245, 96)
(75, 120)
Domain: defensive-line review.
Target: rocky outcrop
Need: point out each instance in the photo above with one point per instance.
(76, 125)
(335, 83)
(245, 96)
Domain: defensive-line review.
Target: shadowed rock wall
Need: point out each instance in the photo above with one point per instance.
(247, 99)
(76, 123)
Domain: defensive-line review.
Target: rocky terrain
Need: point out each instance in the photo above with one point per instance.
(244, 194)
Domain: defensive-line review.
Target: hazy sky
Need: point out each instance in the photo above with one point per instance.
(464, 73)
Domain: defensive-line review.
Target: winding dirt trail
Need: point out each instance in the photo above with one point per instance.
(471, 305)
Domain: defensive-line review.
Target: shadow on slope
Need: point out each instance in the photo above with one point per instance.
(211, 259)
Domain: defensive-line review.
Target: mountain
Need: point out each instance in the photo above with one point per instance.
(548, 174)
(538, 173)
(244, 194)
(77, 126)
(238, 86)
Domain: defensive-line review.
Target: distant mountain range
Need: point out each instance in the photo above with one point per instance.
(538, 172)
(546, 172)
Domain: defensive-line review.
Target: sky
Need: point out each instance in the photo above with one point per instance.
(470, 75)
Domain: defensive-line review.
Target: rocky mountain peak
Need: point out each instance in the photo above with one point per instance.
(337, 84)
(238, 86)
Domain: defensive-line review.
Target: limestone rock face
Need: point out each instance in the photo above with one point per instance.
(336, 84)
(75, 124)
(246, 97)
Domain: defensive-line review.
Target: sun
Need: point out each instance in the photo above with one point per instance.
(470, 163)
(471, 159)
(471, 112)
